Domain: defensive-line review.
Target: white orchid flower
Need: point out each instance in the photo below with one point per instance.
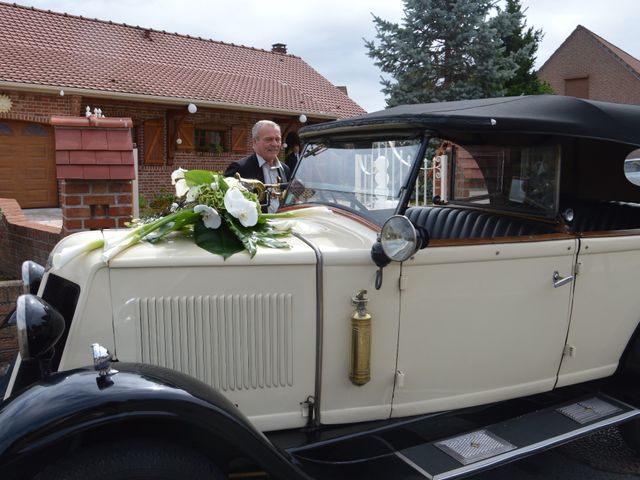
(181, 187)
(177, 175)
(244, 210)
(214, 186)
(192, 193)
(67, 254)
(210, 216)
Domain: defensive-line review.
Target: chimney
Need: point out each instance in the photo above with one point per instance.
(279, 48)
(343, 89)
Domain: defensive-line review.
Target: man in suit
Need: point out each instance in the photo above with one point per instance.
(293, 151)
(263, 165)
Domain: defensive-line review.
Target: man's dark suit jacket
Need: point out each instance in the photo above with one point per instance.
(249, 167)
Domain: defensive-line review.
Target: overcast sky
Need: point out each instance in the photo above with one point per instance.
(328, 34)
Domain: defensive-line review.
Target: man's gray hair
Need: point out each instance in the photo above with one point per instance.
(255, 131)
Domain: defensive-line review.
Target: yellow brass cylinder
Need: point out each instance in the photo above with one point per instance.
(360, 370)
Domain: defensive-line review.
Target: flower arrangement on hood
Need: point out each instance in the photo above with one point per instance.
(222, 216)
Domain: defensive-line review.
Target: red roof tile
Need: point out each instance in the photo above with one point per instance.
(65, 51)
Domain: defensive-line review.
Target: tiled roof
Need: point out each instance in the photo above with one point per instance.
(631, 63)
(64, 51)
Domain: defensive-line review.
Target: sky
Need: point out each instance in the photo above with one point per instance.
(329, 34)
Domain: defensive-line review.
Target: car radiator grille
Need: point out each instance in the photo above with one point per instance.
(231, 342)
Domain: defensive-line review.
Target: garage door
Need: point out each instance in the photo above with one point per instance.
(27, 164)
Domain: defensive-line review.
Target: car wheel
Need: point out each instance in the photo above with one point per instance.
(140, 459)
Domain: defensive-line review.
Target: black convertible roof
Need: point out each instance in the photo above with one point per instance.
(539, 114)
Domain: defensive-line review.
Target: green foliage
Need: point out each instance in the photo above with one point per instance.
(159, 203)
(523, 43)
(446, 50)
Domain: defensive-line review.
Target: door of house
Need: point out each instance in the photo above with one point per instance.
(27, 164)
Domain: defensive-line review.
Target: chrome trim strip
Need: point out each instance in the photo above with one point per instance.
(14, 375)
(319, 323)
(524, 451)
(413, 465)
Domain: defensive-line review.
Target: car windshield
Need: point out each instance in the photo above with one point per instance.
(364, 177)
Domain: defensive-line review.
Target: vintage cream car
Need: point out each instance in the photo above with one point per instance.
(398, 337)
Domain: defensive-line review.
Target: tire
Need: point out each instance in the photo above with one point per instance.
(139, 459)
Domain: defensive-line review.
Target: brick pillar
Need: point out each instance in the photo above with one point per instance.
(94, 163)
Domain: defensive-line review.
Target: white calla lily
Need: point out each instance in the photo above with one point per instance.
(210, 216)
(67, 254)
(238, 206)
(177, 175)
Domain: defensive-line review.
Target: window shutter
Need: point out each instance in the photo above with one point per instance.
(186, 133)
(238, 139)
(153, 142)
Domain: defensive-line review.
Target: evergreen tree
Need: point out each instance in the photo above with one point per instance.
(523, 45)
(444, 50)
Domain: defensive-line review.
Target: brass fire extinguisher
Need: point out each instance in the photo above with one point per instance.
(360, 371)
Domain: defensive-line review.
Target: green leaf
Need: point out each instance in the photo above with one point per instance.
(199, 177)
(220, 241)
(272, 242)
(245, 235)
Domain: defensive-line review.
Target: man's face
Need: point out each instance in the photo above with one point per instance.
(268, 143)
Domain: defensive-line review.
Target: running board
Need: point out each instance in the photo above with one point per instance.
(518, 437)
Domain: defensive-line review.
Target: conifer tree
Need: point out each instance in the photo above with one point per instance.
(444, 50)
(523, 43)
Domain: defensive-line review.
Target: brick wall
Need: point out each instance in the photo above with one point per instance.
(22, 240)
(38, 107)
(152, 179)
(156, 179)
(582, 56)
(9, 292)
(95, 204)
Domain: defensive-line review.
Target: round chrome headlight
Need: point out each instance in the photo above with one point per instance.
(398, 238)
(39, 326)
(32, 274)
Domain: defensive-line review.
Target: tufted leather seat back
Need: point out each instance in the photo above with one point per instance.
(449, 222)
(592, 216)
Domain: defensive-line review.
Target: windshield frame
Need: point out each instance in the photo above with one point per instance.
(402, 193)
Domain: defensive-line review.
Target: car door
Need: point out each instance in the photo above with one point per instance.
(481, 322)
(606, 306)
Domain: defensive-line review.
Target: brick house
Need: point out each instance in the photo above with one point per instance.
(54, 65)
(587, 66)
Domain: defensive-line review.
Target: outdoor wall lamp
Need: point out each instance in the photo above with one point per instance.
(302, 118)
(192, 108)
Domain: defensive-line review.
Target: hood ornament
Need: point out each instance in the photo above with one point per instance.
(102, 360)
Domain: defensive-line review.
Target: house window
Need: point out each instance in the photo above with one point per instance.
(210, 140)
(5, 129)
(34, 130)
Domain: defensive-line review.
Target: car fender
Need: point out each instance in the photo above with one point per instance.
(77, 401)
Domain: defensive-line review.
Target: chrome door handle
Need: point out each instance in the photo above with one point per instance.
(558, 281)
